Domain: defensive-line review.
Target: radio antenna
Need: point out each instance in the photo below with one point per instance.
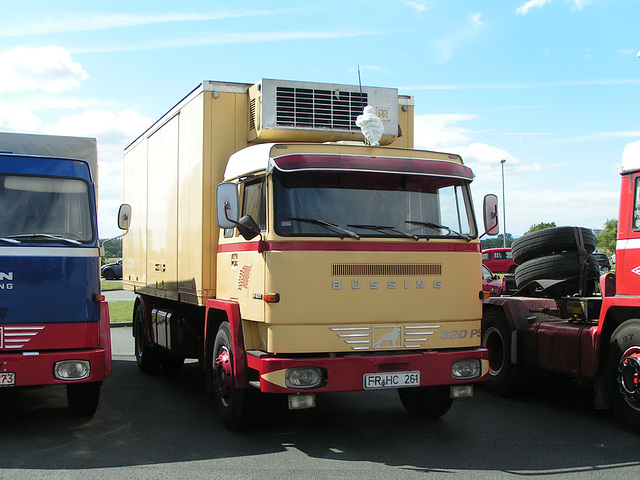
(360, 85)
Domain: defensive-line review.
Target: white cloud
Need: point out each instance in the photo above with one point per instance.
(524, 9)
(579, 4)
(441, 131)
(474, 19)
(374, 68)
(513, 86)
(98, 21)
(45, 68)
(18, 118)
(419, 6)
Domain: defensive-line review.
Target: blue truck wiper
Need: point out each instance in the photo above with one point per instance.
(329, 226)
(385, 229)
(48, 236)
(435, 226)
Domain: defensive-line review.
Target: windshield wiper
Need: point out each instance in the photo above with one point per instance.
(385, 229)
(48, 236)
(329, 226)
(435, 226)
(13, 241)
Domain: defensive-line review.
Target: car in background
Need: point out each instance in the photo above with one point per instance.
(112, 271)
(603, 261)
(491, 283)
(499, 260)
(509, 286)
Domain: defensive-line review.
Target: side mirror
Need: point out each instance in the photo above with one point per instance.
(490, 213)
(227, 205)
(124, 216)
(248, 227)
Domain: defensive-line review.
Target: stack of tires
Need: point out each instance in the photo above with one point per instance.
(560, 253)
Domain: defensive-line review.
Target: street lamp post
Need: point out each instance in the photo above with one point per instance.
(504, 215)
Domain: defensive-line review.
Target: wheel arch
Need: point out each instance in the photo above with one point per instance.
(217, 312)
(146, 305)
(616, 316)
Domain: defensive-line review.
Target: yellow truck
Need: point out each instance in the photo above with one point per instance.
(269, 240)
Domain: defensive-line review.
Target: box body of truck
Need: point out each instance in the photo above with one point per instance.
(363, 270)
(54, 326)
(554, 328)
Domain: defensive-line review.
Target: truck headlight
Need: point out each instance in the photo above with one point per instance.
(466, 369)
(303, 377)
(72, 369)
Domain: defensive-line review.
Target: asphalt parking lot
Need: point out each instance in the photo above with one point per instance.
(165, 426)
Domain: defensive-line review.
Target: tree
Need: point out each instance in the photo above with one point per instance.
(112, 249)
(541, 226)
(606, 239)
(496, 242)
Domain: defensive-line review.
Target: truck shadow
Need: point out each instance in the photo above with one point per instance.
(163, 418)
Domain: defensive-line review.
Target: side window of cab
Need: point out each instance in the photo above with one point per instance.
(636, 205)
(255, 202)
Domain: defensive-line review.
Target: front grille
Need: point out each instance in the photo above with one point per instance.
(396, 270)
(314, 108)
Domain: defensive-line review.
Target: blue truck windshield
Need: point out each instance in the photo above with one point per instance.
(372, 205)
(45, 209)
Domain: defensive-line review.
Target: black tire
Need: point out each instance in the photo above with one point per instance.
(548, 241)
(625, 339)
(109, 275)
(235, 405)
(426, 402)
(505, 378)
(147, 356)
(83, 398)
(554, 267)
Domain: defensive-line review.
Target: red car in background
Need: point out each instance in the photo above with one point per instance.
(491, 283)
(499, 260)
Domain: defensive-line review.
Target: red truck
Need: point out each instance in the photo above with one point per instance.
(566, 319)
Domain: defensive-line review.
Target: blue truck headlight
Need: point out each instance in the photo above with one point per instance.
(72, 369)
(466, 369)
(303, 377)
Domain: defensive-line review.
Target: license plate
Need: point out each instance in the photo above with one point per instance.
(373, 381)
(7, 379)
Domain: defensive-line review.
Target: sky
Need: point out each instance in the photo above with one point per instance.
(550, 86)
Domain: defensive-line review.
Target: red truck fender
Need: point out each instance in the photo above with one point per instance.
(218, 311)
(105, 336)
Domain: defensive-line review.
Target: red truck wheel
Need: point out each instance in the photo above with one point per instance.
(623, 373)
(235, 405)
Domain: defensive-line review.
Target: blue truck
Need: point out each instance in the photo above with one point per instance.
(54, 322)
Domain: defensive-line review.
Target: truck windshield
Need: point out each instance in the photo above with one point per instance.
(372, 205)
(45, 209)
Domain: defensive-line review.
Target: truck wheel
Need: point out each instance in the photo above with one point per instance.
(550, 240)
(426, 402)
(83, 398)
(558, 266)
(147, 357)
(623, 373)
(235, 405)
(505, 378)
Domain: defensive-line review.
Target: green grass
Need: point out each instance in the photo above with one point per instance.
(120, 312)
(110, 285)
